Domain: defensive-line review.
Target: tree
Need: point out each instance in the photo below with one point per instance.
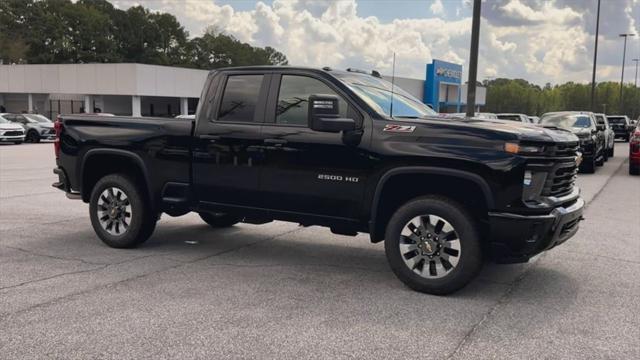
(62, 31)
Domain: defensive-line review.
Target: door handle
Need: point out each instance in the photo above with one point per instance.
(275, 142)
(210, 137)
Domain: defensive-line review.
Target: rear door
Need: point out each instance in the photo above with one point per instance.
(306, 171)
(227, 146)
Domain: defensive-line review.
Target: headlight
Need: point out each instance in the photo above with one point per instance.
(516, 148)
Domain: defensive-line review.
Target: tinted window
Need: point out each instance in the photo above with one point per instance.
(293, 99)
(616, 120)
(509, 117)
(240, 98)
(600, 119)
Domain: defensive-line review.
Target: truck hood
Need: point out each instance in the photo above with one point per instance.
(10, 126)
(510, 130)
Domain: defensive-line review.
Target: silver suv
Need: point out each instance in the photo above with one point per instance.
(37, 127)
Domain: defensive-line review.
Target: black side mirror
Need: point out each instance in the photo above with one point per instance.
(324, 115)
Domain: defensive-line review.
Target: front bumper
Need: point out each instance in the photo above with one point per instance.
(516, 238)
(11, 138)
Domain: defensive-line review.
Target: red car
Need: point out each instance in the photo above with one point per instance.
(634, 151)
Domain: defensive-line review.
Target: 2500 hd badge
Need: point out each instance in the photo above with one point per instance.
(338, 178)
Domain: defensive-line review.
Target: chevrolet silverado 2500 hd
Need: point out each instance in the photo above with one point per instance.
(338, 149)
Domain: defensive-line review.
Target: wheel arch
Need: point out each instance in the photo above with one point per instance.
(104, 163)
(453, 177)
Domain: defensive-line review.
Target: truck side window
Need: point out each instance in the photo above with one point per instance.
(240, 97)
(293, 99)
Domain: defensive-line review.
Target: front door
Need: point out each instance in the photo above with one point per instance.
(306, 171)
(226, 152)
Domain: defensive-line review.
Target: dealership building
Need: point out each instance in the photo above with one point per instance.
(152, 90)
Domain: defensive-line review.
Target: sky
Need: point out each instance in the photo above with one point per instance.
(537, 40)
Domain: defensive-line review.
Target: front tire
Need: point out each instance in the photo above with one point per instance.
(602, 159)
(219, 220)
(433, 245)
(17, 142)
(32, 137)
(120, 213)
(589, 165)
(611, 151)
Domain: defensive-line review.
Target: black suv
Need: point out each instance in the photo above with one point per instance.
(621, 126)
(584, 125)
(332, 148)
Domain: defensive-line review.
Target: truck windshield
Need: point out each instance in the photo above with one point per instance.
(567, 121)
(377, 93)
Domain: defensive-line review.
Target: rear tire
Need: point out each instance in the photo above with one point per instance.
(634, 170)
(611, 151)
(219, 220)
(120, 213)
(442, 253)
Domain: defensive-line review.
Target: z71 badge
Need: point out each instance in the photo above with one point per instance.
(398, 128)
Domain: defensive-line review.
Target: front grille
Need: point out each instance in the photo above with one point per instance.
(559, 164)
(561, 179)
(14, 133)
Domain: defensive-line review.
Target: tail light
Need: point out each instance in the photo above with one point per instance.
(57, 127)
(634, 142)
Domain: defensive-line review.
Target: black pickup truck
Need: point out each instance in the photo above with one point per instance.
(338, 149)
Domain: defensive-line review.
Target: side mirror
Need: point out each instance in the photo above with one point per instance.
(601, 127)
(324, 115)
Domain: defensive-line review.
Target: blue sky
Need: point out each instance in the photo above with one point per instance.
(538, 40)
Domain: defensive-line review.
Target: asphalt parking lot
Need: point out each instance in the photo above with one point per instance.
(286, 292)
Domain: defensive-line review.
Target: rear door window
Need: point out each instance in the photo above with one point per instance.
(240, 98)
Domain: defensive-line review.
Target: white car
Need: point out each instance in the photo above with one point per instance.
(609, 136)
(514, 117)
(478, 115)
(10, 132)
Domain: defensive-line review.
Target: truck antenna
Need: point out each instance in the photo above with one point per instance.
(393, 79)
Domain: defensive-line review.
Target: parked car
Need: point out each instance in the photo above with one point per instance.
(37, 127)
(321, 147)
(478, 115)
(634, 151)
(609, 136)
(582, 124)
(514, 117)
(534, 119)
(10, 132)
(621, 126)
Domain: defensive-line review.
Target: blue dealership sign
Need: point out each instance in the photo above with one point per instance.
(442, 73)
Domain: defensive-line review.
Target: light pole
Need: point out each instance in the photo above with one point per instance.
(595, 59)
(624, 54)
(473, 59)
(636, 82)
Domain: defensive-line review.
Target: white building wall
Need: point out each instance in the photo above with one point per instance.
(102, 79)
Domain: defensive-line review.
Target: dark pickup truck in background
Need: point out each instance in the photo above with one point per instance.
(336, 149)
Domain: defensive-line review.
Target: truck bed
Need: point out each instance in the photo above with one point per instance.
(162, 145)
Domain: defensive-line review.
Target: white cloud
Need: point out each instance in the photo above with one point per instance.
(437, 8)
(541, 41)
